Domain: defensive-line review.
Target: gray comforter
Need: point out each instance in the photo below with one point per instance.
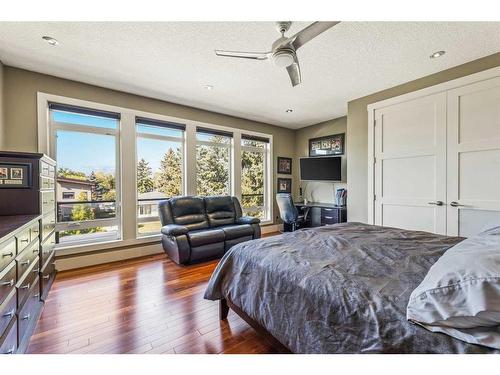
(336, 289)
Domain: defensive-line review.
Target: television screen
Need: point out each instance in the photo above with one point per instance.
(321, 168)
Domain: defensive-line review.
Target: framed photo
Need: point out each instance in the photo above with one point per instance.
(15, 176)
(16, 173)
(284, 165)
(326, 146)
(284, 185)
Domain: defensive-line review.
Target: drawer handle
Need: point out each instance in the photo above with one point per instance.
(25, 240)
(35, 251)
(10, 351)
(7, 283)
(36, 295)
(328, 209)
(36, 270)
(26, 317)
(25, 263)
(46, 277)
(11, 254)
(10, 314)
(27, 286)
(328, 217)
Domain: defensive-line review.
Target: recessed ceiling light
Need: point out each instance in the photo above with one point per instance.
(437, 54)
(208, 87)
(50, 40)
(289, 111)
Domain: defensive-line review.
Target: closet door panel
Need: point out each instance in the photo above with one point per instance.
(410, 168)
(473, 185)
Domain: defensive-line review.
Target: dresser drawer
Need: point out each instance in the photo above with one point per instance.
(29, 311)
(46, 183)
(7, 311)
(48, 275)
(24, 286)
(35, 231)
(26, 258)
(23, 239)
(47, 170)
(329, 220)
(8, 342)
(7, 281)
(48, 248)
(8, 252)
(47, 201)
(48, 225)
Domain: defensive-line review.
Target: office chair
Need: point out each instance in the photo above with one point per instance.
(289, 214)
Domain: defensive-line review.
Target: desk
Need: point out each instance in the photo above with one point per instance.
(323, 213)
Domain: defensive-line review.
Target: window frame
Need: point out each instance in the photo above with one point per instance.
(182, 141)
(267, 195)
(54, 127)
(230, 147)
(126, 181)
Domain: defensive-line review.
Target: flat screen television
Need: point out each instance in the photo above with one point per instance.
(321, 168)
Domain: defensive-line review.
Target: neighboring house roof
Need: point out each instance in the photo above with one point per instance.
(152, 195)
(74, 181)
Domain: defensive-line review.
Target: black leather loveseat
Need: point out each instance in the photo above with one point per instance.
(198, 228)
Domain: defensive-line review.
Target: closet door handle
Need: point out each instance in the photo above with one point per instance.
(437, 203)
(456, 204)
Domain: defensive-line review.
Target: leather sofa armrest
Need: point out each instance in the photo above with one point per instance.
(247, 220)
(174, 230)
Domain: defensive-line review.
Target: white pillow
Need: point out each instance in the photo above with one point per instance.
(460, 295)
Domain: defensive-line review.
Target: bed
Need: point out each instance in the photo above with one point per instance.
(335, 289)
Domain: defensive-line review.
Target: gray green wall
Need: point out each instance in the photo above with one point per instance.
(318, 191)
(2, 122)
(357, 129)
(20, 99)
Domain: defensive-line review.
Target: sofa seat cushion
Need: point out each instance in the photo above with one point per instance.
(205, 236)
(237, 231)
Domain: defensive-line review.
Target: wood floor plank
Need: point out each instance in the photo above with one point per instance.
(144, 305)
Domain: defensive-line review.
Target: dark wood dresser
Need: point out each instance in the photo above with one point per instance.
(27, 241)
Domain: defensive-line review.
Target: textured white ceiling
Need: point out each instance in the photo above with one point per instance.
(173, 60)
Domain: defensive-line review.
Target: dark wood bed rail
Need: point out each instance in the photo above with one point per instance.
(225, 305)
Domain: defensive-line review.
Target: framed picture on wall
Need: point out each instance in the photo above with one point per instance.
(326, 146)
(284, 185)
(284, 165)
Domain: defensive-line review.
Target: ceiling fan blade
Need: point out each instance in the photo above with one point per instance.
(310, 32)
(294, 72)
(243, 55)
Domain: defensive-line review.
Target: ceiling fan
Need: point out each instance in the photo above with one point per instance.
(283, 51)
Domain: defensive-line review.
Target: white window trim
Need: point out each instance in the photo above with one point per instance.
(182, 141)
(128, 190)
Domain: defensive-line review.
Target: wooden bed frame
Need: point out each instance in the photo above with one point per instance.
(225, 305)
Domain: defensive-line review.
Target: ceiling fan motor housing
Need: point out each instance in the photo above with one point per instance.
(283, 57)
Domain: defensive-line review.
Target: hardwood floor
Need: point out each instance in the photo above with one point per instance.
(146, 305)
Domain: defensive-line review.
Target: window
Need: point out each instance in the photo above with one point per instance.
(254, 167)
(86, 149)
(68, 195)
(160, 168)
(213, 162)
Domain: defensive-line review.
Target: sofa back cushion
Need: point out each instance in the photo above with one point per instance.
(220, 210)
(190, 212)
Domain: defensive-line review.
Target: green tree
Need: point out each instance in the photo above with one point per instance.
(168, 179)
(69, 173)
(212, 168)
(252, 181)
(145, 182)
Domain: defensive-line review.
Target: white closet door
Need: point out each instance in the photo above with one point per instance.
(473, 157)
(410, 164)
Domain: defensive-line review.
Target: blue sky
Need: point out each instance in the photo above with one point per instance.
(86, 152)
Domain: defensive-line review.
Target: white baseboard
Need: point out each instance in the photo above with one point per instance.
(271, 228)
(92, 259)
